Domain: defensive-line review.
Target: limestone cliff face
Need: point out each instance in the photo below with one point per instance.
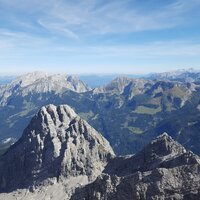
(56, 144)
(40, 83)
(162, 170)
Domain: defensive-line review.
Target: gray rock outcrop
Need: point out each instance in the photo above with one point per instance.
(56, 145)
(162, 170)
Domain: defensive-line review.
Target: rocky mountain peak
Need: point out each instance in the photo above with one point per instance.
(183, 75)
(54, 115)
(122, 85)
(57, 144)
(29, 78)
(116, 85)
(167, 171)
(164, 145)
(161, 151)
(41, 82)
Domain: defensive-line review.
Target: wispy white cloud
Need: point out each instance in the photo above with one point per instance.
(79, 18)
(114, 17)
(36, 31)
(19, 41)
(60, 29)
(117, 16)
(25, 42)
(150, 50)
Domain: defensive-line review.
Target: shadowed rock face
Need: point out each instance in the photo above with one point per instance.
(56, 144)
(162, 170)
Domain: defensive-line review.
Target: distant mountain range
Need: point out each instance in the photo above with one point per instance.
(98, 80)
(39, 82)
(129, 112)
(189, 75)
(61, 157)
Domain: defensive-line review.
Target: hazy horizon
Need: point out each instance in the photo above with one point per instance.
(94, 73)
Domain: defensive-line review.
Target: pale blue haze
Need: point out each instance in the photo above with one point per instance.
(99, 36)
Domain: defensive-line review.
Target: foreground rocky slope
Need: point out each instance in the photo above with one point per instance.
(162, 170)
(61, 157)
(57, 148)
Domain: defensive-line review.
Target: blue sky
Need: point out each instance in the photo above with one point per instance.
(99, 36)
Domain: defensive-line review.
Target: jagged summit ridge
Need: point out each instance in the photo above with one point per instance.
(41, 82)
(160, 152)
(121, 85)
(164, 145)
(56, 115)
(184, 75)
(56, 144)
(150, 174)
